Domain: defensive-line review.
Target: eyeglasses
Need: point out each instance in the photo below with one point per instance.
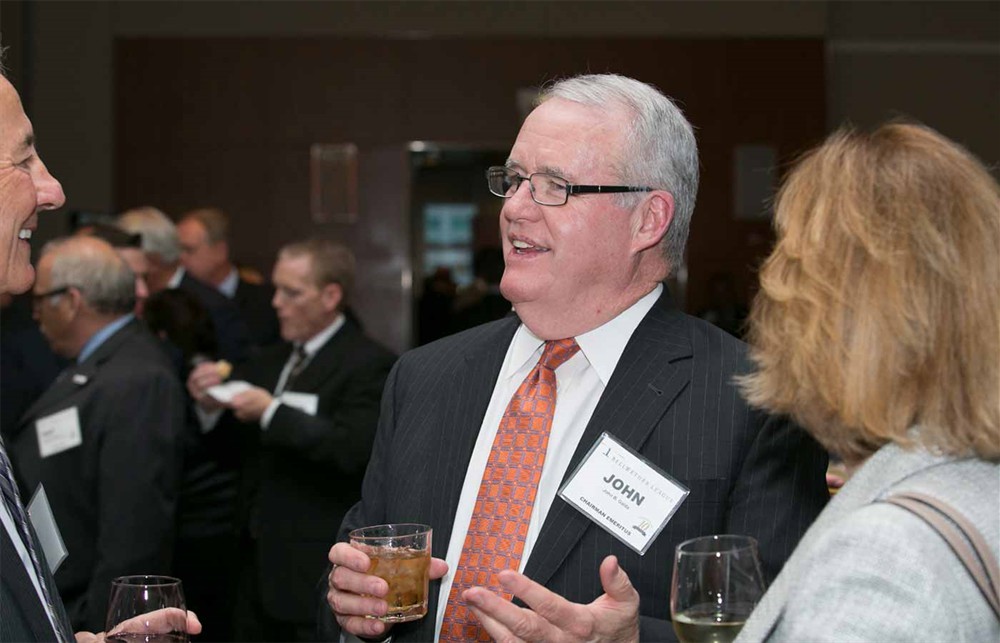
(546, 189)
(38, 298)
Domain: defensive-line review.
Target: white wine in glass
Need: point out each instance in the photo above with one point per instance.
(146, 609)
(717, 581)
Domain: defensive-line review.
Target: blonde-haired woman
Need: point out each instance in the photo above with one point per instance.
(877, 327)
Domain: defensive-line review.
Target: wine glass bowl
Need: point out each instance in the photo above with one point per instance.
(717, 581)
(146, 609)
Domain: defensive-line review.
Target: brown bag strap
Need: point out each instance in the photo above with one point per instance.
(978, 558)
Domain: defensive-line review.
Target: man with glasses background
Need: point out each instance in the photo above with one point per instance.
(611, 168)
(105, 439)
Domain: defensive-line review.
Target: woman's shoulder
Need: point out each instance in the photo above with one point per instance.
(881, 573)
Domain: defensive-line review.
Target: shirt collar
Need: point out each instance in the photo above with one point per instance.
(175, 279)
(102, 336)
(322, 337)
(602, 346)
(230, 283)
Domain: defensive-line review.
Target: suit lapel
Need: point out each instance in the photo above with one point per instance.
(474, 380)
(77, 376)
(326, 360)
(654, 368)
(22, 591)
(460, 417)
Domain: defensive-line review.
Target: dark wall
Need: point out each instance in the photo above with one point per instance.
(229, 121)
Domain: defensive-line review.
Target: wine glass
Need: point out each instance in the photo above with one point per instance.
(717, 582)
(147, 609)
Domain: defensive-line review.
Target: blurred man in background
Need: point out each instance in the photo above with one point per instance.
(162, 249)
(311, 411)
(204, 241)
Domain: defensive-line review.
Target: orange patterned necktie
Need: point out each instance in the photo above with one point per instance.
(499, 524)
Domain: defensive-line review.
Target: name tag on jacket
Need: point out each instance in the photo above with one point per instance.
(58, 432)
(624, 493)
(46, 529)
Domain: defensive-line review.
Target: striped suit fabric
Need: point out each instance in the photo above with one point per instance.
(671, 398)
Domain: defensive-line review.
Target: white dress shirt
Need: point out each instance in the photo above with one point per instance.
(580, 382)
(208, 419)
(229, 285)
(311, 347)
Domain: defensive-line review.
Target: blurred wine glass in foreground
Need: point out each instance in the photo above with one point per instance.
(717, 581)
(147, 609)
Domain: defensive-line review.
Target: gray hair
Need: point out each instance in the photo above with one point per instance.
(92, 266)
(659, 148)
(159, 234)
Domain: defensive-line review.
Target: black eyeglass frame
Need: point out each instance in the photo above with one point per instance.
(571, 189)
(42, 296)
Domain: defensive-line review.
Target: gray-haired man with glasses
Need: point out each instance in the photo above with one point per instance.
(611, 168)
(105, 439)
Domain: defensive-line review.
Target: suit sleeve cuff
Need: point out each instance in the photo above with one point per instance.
(272, 408)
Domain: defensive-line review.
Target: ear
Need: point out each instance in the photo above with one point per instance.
(74, 299)
(331, 296)
(654, 218)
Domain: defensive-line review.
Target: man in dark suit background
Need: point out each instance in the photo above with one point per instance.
(164, 270)
(584, 269)
(204, 241)
(105, 438)
(312, 411)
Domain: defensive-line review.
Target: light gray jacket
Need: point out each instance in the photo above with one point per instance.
(868, 571)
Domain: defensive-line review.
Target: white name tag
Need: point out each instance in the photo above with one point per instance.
(46, 529)
(628, 496)
(58, 432)
(305, 402)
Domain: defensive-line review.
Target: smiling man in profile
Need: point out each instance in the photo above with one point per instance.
(30, 606)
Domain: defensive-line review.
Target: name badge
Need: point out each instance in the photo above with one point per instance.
(58, 432)
(306, 402)
(46, 529)
(624, 493)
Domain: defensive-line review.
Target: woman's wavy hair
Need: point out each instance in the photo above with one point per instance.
(879, 308)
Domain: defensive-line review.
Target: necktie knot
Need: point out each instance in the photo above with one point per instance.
(557, 352)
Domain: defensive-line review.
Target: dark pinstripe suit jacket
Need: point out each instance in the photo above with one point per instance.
(22, 614)
(671, 398)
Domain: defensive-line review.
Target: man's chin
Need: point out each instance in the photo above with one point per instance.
(19, 280)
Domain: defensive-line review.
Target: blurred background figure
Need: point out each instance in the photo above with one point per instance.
(204, 242)
(27, 364)
(305, 429)
(105, 438)
(435, 306)
(207, 542)
(162, 248)
(877, 327)
(129, 248)
(724, 309)
(481, 301)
